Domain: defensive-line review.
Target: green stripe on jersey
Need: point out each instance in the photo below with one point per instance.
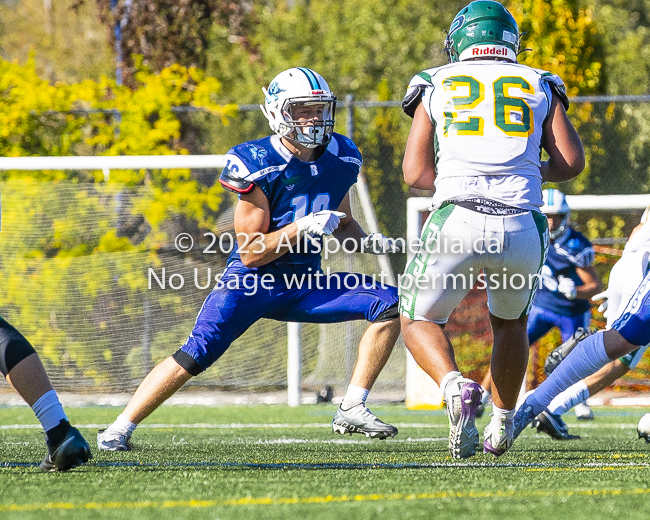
(417, 266)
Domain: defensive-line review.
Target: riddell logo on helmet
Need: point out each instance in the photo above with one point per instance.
(317, 92)
(489, 51)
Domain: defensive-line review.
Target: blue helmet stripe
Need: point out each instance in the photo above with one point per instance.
(311, 77)
(550, 197)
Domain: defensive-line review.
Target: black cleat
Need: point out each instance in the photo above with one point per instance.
(71, 452)
(554, 426)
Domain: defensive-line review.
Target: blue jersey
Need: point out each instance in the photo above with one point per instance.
(294, 189)
(565, 255)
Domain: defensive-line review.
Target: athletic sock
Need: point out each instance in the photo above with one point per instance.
(571, 397)
(50, 414)
(122, 426)
(446, 380)
(585, 359)
(499, 415)
(355, 395)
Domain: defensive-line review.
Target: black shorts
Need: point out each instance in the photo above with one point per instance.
(14, 347)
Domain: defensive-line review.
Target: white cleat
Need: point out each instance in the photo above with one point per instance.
(359, 419)
(583, 412)
(463, 399)
(108, 440)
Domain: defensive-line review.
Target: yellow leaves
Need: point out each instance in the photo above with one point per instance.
(563, 40)
(147, 124)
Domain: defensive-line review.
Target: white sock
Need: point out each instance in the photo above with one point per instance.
(122, 426)
(354, 396)
(571, 397)
(585, 359)
(445, 381)
(49, 411)
(501, 416)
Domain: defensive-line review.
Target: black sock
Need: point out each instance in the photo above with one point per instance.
(58, 433)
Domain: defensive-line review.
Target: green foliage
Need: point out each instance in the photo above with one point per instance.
(185, 24)
(35, 119)
(81, 253)
(69, 41)
(564, 39)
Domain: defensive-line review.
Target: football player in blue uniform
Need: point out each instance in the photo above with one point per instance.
(569, 279)
(629, 332)
(23, 369)
(293, 190)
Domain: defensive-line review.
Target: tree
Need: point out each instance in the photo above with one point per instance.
(168, 32)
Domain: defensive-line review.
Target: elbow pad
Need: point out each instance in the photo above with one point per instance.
(412, 99)
(561, 93)
(229, 180)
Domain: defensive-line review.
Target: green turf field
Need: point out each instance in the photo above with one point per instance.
(268, 462)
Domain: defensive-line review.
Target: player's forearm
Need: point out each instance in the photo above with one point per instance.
(351, 231)
(257, 249)
(586, 291)
(561, 171)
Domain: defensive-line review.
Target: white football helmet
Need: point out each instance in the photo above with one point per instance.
(555, 204)
(299, 86)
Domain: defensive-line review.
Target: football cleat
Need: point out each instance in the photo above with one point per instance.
(554, 426)
(464, 397)
(523, 417)
(71, 452)
(498, 437)
(359, 419)
(643, 429)
(108, 440)
(583, 412)
(557, 356)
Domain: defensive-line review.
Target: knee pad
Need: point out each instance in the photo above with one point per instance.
(14, 347)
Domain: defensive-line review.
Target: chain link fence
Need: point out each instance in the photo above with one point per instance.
(100, 328)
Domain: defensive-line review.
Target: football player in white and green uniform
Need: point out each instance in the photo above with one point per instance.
(479, 124)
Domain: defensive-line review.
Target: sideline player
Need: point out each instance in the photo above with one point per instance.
(569, 278)
(624, 278)
(630, 331)
(292, 186)
(23, 369)
(478, 126)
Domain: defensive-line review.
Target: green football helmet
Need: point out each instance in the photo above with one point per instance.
(484, 28)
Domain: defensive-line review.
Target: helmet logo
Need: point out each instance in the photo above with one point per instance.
(274, 90)
(490, 50)
(456, 24)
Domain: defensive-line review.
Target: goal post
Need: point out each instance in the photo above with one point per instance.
(90, 345)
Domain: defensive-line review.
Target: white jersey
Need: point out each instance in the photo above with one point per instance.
(640, 241)
(488, 119)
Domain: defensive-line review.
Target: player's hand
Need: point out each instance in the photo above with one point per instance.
(603, 298)
(321, 223)
(378, 244)
(567, 287)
